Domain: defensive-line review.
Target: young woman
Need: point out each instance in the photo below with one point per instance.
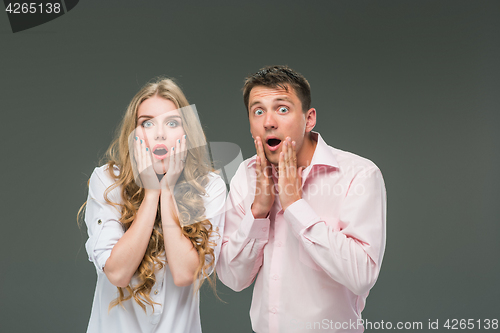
(153, 216)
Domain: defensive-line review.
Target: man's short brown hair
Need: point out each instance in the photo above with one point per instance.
(279, 77)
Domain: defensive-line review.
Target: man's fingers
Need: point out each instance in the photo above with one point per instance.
(290, 152)
(262, 156)
(260, 151)
(281, 166)
(288, 158)
(299, 176)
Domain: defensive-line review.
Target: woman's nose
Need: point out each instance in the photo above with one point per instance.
(160, 134)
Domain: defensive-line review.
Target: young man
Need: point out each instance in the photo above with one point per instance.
(304, 220)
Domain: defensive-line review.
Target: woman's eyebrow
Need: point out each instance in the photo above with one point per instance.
(168, 117)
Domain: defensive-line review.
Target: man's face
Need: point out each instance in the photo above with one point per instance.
(274, 115)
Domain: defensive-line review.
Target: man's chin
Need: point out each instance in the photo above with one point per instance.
(274, 160)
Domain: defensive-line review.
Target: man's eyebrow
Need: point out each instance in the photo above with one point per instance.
(284, 98)
(280, 98)
(251, 105)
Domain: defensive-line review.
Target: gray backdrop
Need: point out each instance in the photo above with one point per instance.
(411, 85)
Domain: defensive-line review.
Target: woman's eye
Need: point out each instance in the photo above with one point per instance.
(282, 110)
(147, 124)
(258, 112)
(172, 123)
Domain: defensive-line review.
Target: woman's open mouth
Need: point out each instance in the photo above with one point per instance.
(160, 151)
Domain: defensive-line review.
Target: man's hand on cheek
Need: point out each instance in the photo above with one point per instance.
(264, 192)
(290, 181)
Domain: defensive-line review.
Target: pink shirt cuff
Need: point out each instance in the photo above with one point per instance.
(252, 228)
(301, 217)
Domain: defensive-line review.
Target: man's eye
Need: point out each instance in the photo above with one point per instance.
(258, 112)
(147, 124)
(282, 110)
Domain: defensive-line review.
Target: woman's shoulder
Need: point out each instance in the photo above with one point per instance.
(101, 179)
(215, 183)
(104, 174)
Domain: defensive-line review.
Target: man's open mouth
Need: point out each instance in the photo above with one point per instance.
(273, 142)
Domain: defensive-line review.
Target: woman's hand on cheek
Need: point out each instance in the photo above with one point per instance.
(143, 158)
(174, 164)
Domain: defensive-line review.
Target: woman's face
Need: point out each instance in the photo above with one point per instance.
(159, 125)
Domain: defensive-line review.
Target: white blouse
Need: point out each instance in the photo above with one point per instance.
(179, 309)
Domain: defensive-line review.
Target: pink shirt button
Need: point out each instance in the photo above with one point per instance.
(273, 311)
(275, 277)
(264, 229)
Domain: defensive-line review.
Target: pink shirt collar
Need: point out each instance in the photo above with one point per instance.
(323, 155)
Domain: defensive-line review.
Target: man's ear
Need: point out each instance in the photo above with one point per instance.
(310, 119)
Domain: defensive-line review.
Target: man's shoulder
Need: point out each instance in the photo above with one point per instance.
(243, 175)
(352, 164)
(247, 164)
(349, 158)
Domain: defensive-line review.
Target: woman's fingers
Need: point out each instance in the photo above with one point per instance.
(171, 160)
(178, 154)
(183, 150)
(136, 151)
(139, 155)
(148, 158)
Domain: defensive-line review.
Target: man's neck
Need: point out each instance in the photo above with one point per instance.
(307, 151)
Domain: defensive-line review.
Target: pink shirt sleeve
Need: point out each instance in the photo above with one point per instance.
(353, 255)
(244, 238)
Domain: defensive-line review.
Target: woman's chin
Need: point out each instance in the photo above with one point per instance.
(158, 168)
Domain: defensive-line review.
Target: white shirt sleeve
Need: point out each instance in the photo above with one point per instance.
(214, 211)
(102, 218)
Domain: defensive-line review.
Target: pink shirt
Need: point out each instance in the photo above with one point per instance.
(313, 264)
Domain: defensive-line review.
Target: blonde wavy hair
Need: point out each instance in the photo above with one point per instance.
(188, 193)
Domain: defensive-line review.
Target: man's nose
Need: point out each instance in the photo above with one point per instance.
(270, 121)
